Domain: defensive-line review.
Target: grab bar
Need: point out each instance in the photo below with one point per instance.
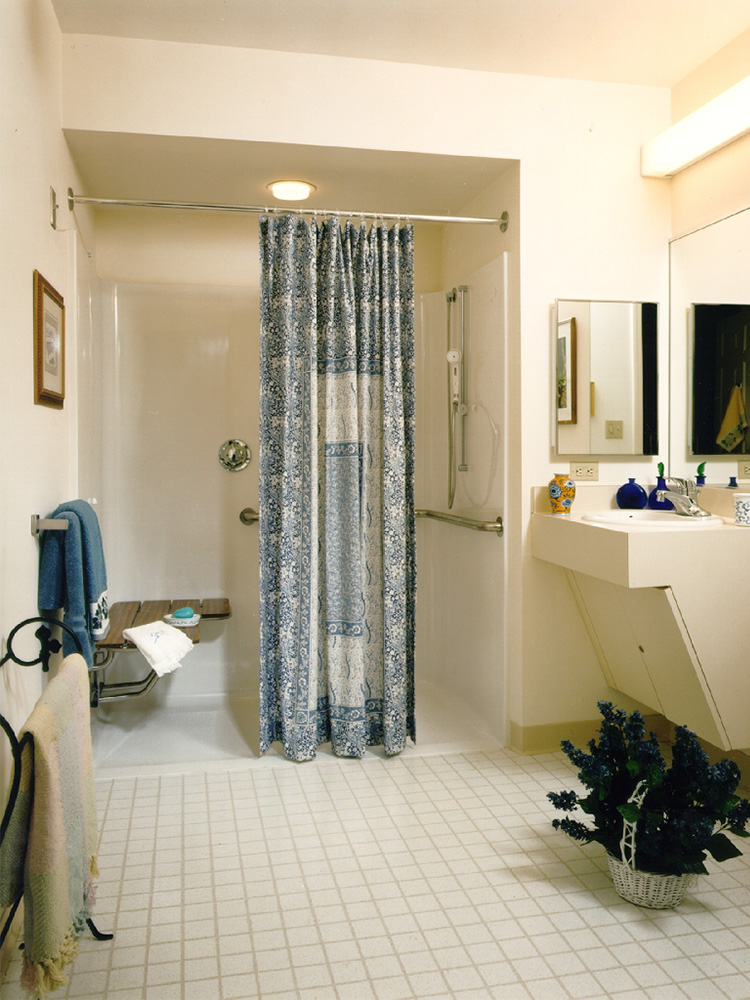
(249, 516)
(463, 522)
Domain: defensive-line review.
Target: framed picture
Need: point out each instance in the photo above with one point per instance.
(566, 371)
(49, 344)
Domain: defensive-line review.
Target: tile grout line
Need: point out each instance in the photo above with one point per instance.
(396, 880)
(214, 884)
(152, 879)
(116, 913)
(292, 826)
(245, 893)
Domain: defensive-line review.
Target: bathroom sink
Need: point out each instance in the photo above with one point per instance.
(648, 518)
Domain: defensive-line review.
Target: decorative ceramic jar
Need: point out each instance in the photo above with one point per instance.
(742, 509)
(562, 491)
(631, 496)
(653, 498)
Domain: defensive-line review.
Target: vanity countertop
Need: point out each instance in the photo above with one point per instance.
(633, 557)
(703, 575)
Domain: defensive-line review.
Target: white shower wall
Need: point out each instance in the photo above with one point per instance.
(174, 368)
(182, 377)
(461, 572)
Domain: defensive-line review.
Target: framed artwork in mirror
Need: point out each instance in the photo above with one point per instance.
(49, 344)
(566, 371)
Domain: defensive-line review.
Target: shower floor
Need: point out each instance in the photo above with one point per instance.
(206, 733)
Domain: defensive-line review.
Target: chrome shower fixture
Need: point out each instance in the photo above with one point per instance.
(457, 406)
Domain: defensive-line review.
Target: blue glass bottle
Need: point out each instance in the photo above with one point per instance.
(631, 496)
(653, 500)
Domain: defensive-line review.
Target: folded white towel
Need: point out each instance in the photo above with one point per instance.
(161, 644)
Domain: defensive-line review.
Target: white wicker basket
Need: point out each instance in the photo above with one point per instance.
(658, 892)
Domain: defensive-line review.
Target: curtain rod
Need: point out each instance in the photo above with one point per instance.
(77, 199)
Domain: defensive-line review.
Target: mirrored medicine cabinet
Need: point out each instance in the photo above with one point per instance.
(709, 342)
(606, 378)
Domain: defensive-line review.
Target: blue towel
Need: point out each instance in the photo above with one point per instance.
(72, 576)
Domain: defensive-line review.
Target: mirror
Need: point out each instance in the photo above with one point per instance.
(721, 356)
(710, 342)
(606, 385)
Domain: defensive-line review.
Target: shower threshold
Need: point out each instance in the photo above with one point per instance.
(213, 733)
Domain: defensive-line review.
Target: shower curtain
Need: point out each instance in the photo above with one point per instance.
(337, 541)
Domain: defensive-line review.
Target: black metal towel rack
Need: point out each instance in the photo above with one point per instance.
(48, 646)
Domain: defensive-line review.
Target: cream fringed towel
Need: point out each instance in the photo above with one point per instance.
(49, 851)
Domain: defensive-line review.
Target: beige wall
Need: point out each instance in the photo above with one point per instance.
(38, 445)
(717, 74)
(718, 185)
(591, 227)
(715, 188)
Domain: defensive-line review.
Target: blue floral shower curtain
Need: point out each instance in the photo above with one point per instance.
(337, 552)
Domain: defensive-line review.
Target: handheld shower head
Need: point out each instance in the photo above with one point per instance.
(454, 361)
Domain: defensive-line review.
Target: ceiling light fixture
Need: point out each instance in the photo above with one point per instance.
(716, 124)
(291, 190)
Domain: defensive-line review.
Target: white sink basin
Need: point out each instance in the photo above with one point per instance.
(648, 518)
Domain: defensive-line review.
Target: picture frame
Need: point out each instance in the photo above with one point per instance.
(565, 363)
(49, 344)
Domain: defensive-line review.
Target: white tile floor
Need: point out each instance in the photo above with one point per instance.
(383, 879)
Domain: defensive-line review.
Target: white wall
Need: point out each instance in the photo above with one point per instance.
(177, 356)
(591, 228)
(38, 451)
(708, 265)
(461, 573)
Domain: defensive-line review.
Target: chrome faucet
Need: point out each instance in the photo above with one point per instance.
(685, 502)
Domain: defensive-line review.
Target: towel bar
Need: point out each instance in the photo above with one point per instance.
(47, 524)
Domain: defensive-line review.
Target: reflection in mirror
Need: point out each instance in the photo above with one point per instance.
(606, 386)
(721, 360)
(707, 266)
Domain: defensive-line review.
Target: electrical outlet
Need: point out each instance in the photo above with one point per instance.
(584, 470)
(743, 469)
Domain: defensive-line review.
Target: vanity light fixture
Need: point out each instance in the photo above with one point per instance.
(715, 124)
(291, 190)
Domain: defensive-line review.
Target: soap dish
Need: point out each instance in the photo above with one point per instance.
(182, 622)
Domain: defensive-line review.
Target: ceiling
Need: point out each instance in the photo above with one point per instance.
(649, 42)
(186, 169)
(652, 42)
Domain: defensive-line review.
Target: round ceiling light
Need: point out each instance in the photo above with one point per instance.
(291, 190)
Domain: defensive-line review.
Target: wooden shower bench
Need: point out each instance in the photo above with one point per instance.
(126, 614)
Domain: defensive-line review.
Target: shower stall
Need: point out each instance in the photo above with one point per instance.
(170, 375)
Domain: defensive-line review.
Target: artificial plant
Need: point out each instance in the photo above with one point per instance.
(687, 806)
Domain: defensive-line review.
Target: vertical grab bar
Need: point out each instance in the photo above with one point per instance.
(450, 297)
(463, 408)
